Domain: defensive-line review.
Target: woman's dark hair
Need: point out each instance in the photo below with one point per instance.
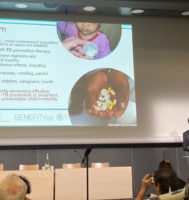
(166, 165)
(27, 184)
(167, 179)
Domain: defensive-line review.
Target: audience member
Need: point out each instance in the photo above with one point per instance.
(165, 164)
(146, 182)
(26, 181)
(13, 188)
(163, 181)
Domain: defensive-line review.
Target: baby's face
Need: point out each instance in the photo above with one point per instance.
(87, 28)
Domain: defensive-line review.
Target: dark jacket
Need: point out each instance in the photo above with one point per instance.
(186, 140)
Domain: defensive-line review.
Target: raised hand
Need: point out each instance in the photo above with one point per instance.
(75, 46)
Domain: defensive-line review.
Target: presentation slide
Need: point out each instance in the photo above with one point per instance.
(66, 74)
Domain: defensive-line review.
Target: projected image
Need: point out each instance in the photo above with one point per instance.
(103, 97)
(42, 84)
(89, 40)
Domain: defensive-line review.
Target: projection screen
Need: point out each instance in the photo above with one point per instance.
(66, 74)
(127, 87)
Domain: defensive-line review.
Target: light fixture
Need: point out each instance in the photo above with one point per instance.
(185, 13)
(89, 8)
(125, 11)
(21, 5)
(137, 11)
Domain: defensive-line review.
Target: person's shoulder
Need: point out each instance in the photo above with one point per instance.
(186, 135)
(186, 132)
(101, 34)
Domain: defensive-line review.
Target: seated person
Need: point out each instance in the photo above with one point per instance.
(162, 181)
(165, 164)
(27, 184)
(12, 188)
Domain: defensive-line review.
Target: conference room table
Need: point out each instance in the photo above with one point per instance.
(70, 184)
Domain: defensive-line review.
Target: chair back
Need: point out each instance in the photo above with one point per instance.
(29, 167)
(1, 167)
(71, 165)
(100, 165)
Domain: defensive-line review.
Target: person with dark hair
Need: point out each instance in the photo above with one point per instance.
(87, 32)
(23, 178)
(163, 180)
(166, 165)
(186, 139)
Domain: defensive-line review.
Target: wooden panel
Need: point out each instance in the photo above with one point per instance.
(70, 184)
(104, 183)
(110, 183)
(42, 182)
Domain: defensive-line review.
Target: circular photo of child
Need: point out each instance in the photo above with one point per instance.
(89, 40)
(103, 97)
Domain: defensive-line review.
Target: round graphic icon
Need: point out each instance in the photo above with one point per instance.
(60, 117)
(103, 97)
(90, 41)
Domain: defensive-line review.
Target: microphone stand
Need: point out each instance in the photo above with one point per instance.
(85, 160)
(87, 175)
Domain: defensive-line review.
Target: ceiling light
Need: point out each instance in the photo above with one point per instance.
(89, 8)
(137, 11)
(21, 5)
(125, 11)
(185, 13)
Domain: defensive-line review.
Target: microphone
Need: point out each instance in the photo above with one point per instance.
(86, 154)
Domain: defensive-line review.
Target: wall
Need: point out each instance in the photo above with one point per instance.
(161, 47)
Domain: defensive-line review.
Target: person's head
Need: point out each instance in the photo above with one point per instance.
(165, 164)
(12, 188)
(164, 180)
(27, 184)
(87, 29)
